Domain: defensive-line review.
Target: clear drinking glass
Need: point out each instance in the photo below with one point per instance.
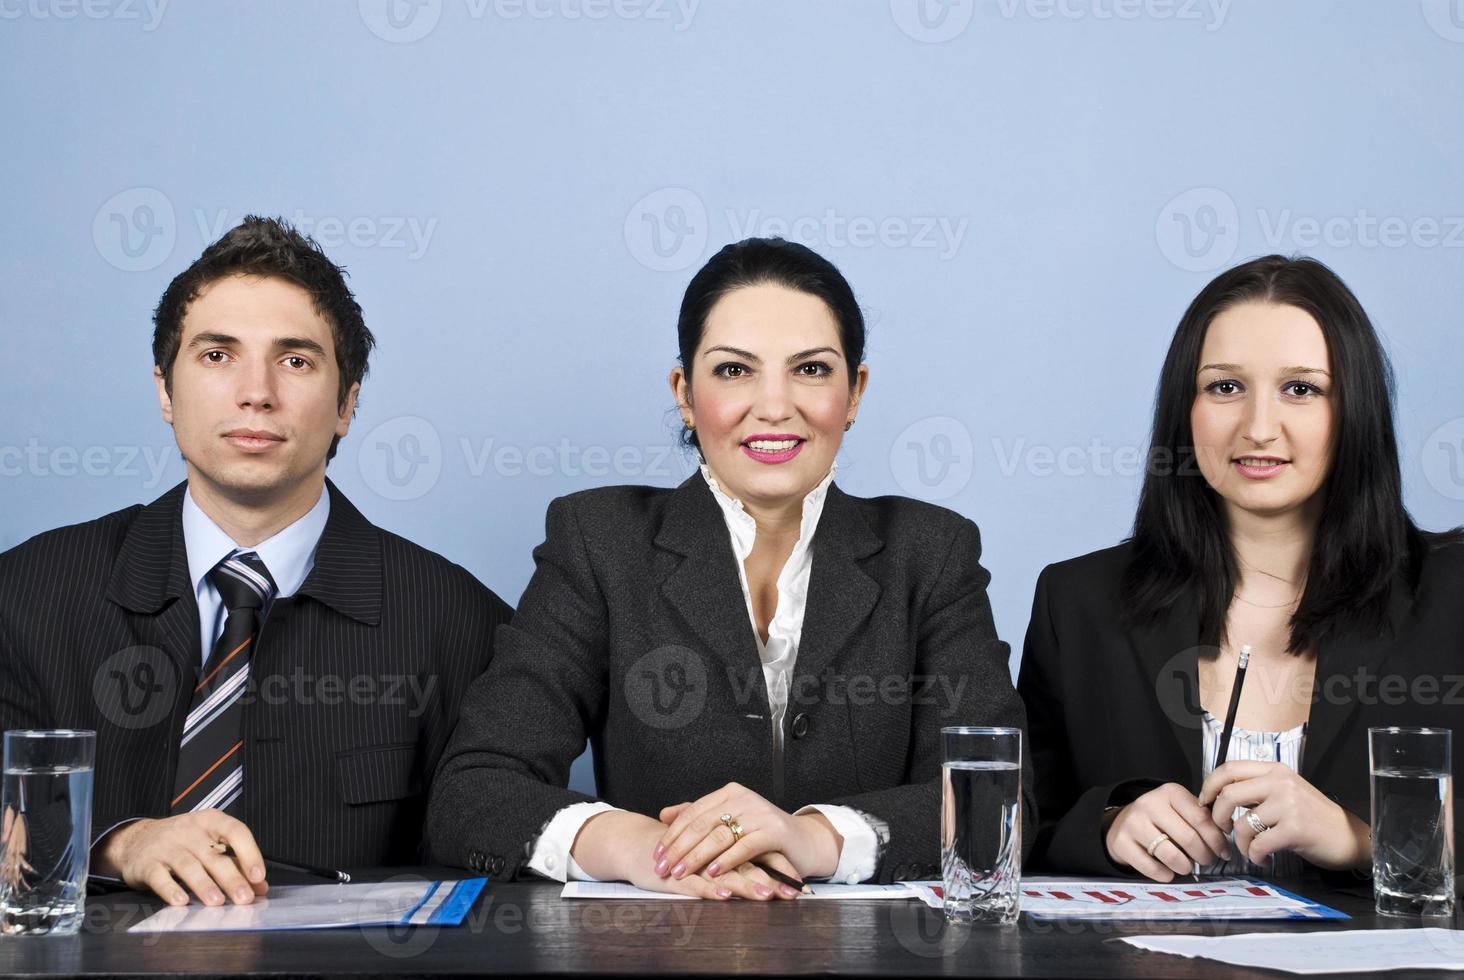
(45, 830)
(1412, 820)
(980, 823)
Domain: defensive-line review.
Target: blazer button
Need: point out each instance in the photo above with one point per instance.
(497, 865)
(800, 725)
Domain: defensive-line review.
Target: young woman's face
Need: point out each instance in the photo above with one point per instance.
(769, 393)
(1263, 416)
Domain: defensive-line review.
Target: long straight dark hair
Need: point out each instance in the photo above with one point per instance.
(1180, 547)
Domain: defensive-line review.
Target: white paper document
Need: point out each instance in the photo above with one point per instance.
(619, 889)
(1125, 898)
(393, 903)
(1348, 951)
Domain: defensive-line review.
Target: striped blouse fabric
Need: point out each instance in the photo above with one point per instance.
(1283, 747)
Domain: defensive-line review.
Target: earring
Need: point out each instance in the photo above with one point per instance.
(848, 425)
(690, 425)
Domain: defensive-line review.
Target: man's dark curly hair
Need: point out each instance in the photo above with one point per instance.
(269, 247)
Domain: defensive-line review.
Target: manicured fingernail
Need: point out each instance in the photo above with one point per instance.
(256, 873)
(764, 891)
(179, 899)
(660, 849)
(724, 893)
(790, 891)
(214, 898)
(660, 867)
(679, 870)
(243, 895)
(714, 869)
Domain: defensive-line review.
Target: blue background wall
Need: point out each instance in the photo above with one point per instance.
(1024, 193)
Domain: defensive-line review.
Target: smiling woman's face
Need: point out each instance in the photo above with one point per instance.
(769, 393)
(1263, 411)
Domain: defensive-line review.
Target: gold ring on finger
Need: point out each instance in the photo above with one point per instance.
(732, 825)
(1155, 845)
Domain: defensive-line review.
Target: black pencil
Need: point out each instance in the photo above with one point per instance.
(1223, 749)
(778, 876)
(329, 874)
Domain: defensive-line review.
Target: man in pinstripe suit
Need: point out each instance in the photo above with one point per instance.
(266, 671)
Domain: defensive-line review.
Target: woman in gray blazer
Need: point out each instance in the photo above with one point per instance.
(761, 663)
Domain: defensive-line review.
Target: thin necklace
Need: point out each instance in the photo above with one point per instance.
(1262, 606)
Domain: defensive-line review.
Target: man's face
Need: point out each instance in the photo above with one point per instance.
(254, 400)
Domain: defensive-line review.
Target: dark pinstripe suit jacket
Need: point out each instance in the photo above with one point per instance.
(355, 681)
(634, 634)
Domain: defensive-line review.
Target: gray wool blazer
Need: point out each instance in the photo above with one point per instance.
(634, 634)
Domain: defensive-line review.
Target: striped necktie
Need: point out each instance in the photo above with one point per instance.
(210, 766)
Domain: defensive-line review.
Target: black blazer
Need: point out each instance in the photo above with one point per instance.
(1114, 713)
(634, 634)
(354, 684)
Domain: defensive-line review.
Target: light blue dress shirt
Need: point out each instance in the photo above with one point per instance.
(289, 555)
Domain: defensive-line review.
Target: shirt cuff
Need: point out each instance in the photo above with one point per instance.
(859, 859)
(549, 854)
(96, 842)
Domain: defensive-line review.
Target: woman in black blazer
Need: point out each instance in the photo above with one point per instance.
(1271, 517)
(761, 663)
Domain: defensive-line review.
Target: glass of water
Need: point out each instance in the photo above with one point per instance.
(45, 831)
(980, 823)
(1412, 820)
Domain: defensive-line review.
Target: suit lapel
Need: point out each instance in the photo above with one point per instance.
(703, 584)
(1356, 659)
(1169, 655)
(150, 578)
(840, 595)
(347, 574)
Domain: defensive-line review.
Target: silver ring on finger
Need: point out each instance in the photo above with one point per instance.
(1157, 842)
(1256, 823)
